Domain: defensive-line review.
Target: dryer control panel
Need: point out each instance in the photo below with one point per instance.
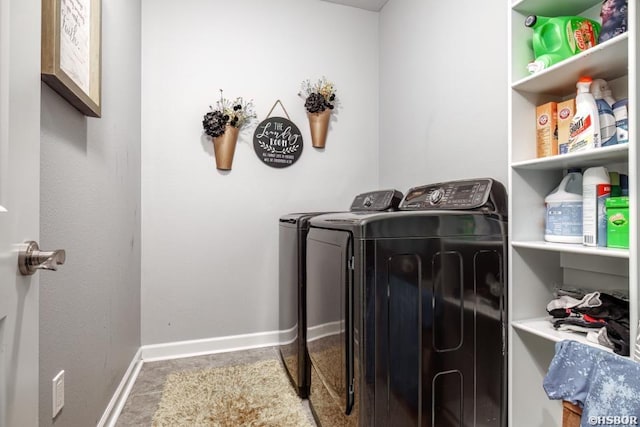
(382, 200)
(454, 195)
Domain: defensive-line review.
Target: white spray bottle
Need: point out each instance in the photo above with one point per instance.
(584, 132)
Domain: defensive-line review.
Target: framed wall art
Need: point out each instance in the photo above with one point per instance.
(71, 52)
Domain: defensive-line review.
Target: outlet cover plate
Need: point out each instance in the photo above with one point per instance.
(58, 393)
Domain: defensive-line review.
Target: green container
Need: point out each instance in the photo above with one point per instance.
(558, 38)
(617, 222)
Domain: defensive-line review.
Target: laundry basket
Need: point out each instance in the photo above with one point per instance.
(571, 414)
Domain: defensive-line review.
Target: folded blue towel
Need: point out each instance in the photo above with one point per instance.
(605, 385)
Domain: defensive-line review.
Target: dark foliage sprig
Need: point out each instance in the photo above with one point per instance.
(237, 113)
(318, 96)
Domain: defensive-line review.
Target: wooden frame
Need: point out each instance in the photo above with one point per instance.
(71, 52)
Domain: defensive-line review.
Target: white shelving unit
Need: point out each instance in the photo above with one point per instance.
(571, 248)
(537, 267)
(542, 328)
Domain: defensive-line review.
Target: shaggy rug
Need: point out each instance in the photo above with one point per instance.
(257, 394)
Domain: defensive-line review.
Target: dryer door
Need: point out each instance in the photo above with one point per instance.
(330, 318)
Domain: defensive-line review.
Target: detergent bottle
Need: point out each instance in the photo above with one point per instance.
(584, 131)
(563, 220)
(557, 38)
(605, 113)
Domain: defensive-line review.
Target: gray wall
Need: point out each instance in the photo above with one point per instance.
(90, 206)
(443, 91)
(210, 253)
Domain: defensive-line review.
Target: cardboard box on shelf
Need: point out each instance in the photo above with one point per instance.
(618, 222)
(546, 130)
(566, 110)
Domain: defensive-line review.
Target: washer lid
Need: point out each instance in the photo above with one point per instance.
(414, 224)
(299, 218)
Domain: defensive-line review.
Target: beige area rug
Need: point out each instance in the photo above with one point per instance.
(257, 394)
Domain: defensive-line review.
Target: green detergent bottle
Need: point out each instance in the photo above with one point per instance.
(558, 38)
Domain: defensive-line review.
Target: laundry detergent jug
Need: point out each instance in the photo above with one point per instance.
(563, 221)
(558, 38)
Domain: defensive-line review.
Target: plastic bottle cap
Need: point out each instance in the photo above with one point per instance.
(530, 21)
(585, 79)
(535, 66)
(571, 170)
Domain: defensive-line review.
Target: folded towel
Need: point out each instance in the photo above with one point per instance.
(602, 383)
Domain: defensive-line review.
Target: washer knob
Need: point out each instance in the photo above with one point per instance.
(436, 196)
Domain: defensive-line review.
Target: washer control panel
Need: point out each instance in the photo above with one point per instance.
(467, 194)
(377, 201)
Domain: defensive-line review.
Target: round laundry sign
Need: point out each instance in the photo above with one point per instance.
(278, 142)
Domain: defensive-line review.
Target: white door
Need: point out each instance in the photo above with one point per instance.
(19, 206)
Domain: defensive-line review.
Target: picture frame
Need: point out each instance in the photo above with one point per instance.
(71, 52)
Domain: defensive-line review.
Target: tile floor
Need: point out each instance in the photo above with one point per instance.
(143, 400)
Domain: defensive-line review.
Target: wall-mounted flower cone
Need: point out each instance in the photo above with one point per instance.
(319, 124)
(224, 147)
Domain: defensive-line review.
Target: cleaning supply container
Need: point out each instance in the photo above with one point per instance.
(605, 113)
(584, 131)
(617, 222)
(563, 220)
(558, 38)
(622, 121)
(596, 188)
(614, 19)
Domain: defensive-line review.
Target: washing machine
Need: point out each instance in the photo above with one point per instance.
(410, 310)
(293, 229)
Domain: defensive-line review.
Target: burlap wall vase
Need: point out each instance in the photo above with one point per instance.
(224, 146)
(319, 125)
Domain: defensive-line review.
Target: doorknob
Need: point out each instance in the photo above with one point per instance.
(31, 258)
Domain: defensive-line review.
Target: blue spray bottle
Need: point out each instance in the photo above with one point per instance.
(607, 120)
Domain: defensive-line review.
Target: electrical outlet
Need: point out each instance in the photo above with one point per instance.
(58, 393)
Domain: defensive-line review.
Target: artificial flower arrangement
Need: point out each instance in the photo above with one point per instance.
(223, 123)
(237, 113)
(318, 96)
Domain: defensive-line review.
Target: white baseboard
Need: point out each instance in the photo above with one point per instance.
(324, 330)
(289, 335)
(110, 415)
(175, 350)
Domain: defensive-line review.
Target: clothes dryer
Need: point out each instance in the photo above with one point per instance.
(293, 229)
(410, 309)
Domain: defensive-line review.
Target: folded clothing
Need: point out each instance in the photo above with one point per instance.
(582, 320)
(600, 337)
(564, 301)
(594, 310)
(602, 383)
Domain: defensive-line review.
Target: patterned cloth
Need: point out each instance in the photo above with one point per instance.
(604, 384)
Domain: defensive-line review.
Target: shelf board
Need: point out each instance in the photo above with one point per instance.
(595, 157)
(605, 61)
(571, 248)
(553, 7)
(542, 327)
